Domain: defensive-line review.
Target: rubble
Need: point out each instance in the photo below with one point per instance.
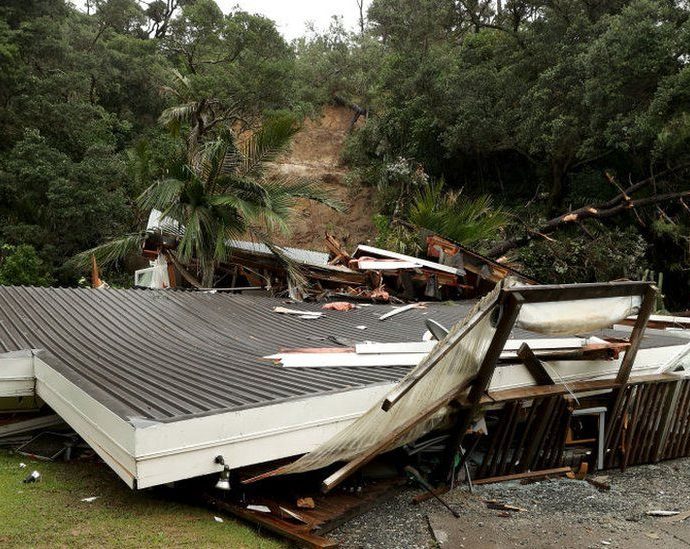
(169, 368)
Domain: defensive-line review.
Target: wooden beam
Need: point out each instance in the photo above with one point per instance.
(567, 292)
(508, 314)
(648, 303)
(298, 533)
(646, 308)
(392, 438)
(581, 386)
(534, 365)
(519, 476)
(667, 417)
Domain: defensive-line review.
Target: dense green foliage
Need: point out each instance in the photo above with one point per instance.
(522, 107)
(80, 99)
(534, 104)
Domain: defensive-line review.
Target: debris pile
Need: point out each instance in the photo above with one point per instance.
(531, 384)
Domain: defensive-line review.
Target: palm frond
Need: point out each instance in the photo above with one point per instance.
(110, 252)
(454, 216)
(161, 194)
(294, 270)
(267, 143)
(178, 114)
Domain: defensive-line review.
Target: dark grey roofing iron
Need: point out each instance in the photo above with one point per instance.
(167, 355)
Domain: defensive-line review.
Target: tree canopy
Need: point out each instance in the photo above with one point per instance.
(525, 109)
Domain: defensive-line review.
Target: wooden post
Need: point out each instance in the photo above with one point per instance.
(648, 303)
(509, 311)
(667, 416)
(534, 365)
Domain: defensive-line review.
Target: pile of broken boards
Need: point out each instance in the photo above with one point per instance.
(40, 434)
(505, 408)
(532, 382)
(449, 271)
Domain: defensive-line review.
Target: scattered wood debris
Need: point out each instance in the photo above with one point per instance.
(339, 306)
(501, 506)
(306, 503)
(600, 482)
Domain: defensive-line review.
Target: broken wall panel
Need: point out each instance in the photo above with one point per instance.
(527, 436)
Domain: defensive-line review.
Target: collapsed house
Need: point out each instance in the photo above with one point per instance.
(451, 271)
(171, 385)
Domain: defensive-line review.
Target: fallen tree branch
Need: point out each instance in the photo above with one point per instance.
(618, 204)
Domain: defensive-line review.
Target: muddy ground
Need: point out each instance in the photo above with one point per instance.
(557, 513)
(315, 155)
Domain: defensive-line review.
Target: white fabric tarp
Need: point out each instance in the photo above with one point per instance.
(457, 365)
(576, 316)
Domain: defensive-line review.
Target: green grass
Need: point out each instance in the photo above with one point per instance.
(49, 513)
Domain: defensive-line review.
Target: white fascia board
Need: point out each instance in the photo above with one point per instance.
(678, 332)
(394, 255)
(647, 361)
(394, 348)
(341, 360)
(16, 374)
(111, 437)
(427, 346)
(167, 452)
(384, 265)
(666, 318)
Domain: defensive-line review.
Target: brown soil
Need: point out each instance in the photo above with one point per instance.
(315, 155)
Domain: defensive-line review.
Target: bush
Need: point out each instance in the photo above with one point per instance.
(21, 266)
(608, 254)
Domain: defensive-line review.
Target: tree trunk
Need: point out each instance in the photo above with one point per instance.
(558, 171)
(208, 274)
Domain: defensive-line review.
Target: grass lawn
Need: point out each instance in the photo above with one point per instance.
(49, 513)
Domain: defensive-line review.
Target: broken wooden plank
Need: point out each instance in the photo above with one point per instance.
(298, 533)
(370, 250)
(525, 475)
(534, 365)
(570, 292)
(286, 311)
(28, 425)
(402, 309)
(501, 506)
(572, 386)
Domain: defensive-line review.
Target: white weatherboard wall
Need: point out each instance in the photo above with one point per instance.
(145, 453)
(17, 374)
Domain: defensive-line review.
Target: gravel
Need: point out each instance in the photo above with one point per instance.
(564, 512)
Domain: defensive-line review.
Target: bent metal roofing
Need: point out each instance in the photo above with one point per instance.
(166, 355)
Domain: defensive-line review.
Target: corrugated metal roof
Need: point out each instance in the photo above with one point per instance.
(168, 355)
(306, 257)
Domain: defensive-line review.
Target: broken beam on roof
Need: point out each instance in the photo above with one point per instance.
(534, 365)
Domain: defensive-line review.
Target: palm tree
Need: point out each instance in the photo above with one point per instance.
(449, 214)
(221, 193)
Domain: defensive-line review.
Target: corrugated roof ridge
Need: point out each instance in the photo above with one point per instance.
(58, 327)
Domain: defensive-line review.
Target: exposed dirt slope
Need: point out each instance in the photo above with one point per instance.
(315, 154)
